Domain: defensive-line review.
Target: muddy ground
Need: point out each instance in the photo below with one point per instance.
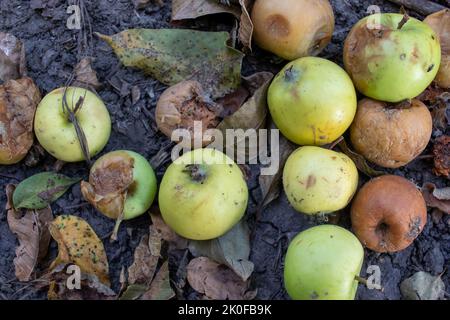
(52, 51)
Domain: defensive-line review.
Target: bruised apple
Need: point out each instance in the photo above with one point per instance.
(388, 213)
(318, 180)
(392, 57)
(312, 101)
(391, 135)
(440, 23)
(293, 28)
(120, 181)
(18, 102)
(323, 263)
(203, 194)
(57, 134)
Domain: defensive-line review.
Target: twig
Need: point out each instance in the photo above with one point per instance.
(424, 7)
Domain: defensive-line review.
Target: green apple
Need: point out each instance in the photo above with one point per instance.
(392, 60)
(323, 263)
(318, 180)
(312, 101)
(203, 194)
(57, 134)
(139, 195)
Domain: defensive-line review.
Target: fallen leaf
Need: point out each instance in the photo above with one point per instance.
(85, 76)
(174, 55)
(232, 249)
(78, 244)
(18, 102)
(90, 287)
(231, 102)
(167, 234)
(422, 286)
(133, 292)
(39, 190)
(31, 228)
(160, 288)
(246, 24)
(437, 198)
(191, 9)
(359, 160)
(270, 184)
(12, 57)
(216, 281)
(179, 279)
(146, 257)
(108, 184)
(441, 152)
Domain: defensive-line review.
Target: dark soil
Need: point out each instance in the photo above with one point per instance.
(53, 50)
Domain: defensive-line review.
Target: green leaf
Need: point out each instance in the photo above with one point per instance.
(133, 292)
(38, 191)
(231, 249)
(174, 55)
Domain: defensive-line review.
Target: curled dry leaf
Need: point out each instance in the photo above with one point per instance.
(12, 57)
(437, 198)
(232, 249)
(160, 288)
(174, 55)
(108, 184)
(85, 76)
(167, 234)
(18, 102)
(191, 9)
(80, 245)
(441, 152)
(216, 281)
(422, 286)
(359, 160)
(31, 228)
(246, 24)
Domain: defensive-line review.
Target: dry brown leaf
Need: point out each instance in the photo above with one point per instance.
(246, 25)
(168, 234)
(18, 102)
(146, 257)
(108, 184)
(31, 228)
(85, 76)
(437, 198)
(160, 288)
(441, 152)
(12, 57)
(191, 9)
(216, 281)
(80, 245)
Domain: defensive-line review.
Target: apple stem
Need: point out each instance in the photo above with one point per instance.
(196, 171)
(116, 227)
(361, 280)
(403, 21)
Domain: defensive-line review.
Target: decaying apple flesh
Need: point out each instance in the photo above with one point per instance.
(392, 60)
(391, 135)
(440, 23)
(293, 28)
(388, 213)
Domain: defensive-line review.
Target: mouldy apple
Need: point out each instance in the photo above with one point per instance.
(18, 102)
(203, 194)
(318, 180)
(391, 135)
(121, 181)
(440, 23)
(388, 213)
(322, 263)
(57, 134)
(312, 101)
(392, 57)
(293, 28)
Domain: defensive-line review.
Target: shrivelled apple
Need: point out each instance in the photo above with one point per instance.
(440, 23)
(293, 28)
(57, 134)
(203, 194)
(312, 101)
(391, 135)
(323, 263)
(388, 213)
(121, 181)
(392, 57)
(318, 180)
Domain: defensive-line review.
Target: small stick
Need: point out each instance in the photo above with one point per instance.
(424, 7)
